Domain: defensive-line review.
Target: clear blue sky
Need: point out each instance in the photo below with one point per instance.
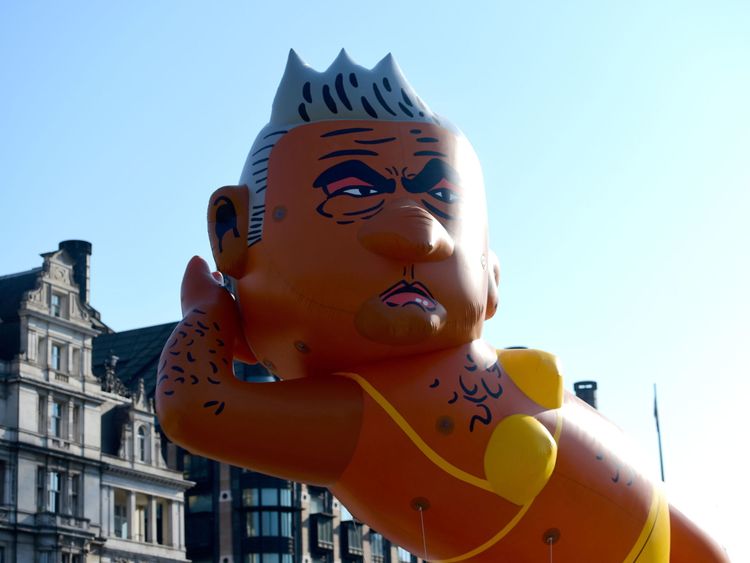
(615, 139)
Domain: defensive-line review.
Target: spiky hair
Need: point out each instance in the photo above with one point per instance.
(345, 90)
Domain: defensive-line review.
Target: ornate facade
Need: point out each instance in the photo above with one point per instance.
(82, 476)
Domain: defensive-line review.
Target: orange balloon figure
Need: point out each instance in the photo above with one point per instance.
(357, 255)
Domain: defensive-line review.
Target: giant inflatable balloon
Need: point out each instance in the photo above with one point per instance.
(354, 264)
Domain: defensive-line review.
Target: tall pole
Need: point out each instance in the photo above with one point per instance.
(658, 434)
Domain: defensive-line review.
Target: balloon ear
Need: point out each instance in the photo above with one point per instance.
(493, 284)
(227, 229)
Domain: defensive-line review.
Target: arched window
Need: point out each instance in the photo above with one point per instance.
(141, 443)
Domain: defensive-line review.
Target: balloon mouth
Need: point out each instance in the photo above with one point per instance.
(404, 314)
(404, 294)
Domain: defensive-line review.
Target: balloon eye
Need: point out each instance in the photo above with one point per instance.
(352, 186)
(357, 191)
(444, 194)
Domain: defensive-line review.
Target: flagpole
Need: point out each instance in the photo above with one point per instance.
(658, 435)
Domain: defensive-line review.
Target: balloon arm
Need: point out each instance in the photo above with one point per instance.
(203, 407)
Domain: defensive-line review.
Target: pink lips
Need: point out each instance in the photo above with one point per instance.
(403, 294)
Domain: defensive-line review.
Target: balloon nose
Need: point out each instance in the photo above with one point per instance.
(406, 232)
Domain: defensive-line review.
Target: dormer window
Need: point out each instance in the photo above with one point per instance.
(56, 305)
(141, 444)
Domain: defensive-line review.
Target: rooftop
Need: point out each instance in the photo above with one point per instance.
(137, 352)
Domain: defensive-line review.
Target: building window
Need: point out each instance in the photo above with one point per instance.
(354, 534)
(196, 468)
(272, 520)
(268, 558)
(74, 494)
(57, 418)
(377, 546)
(267, 496)
(351, 538)
(252, 524)
(160, 523)
(121, 514)
(53, 491)
(141, 444)
(324, 530)
(56, 357)
(58, 491)
(199, 503)
(268, 523)
(320, 501)
(285, 527)
(2, 482)
(404, 556)
(250, 497)
(40, 477)
(56, 305)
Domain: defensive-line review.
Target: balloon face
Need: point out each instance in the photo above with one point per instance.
(374, 245)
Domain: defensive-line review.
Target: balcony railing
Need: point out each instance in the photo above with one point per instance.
(53, 520)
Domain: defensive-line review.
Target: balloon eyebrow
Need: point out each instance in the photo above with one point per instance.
(346, 131)
(374, 141)
(427, 178)
(429, 153)
(349, 152)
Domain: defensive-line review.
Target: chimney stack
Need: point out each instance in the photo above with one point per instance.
(80, 251)
(586, 391)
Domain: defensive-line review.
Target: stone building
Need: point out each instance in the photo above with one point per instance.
(82, 476)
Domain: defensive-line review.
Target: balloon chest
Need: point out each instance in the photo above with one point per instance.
(417, 476)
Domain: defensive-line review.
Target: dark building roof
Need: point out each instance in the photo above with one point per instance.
(12, 289)
(112, 423)
(137, 352)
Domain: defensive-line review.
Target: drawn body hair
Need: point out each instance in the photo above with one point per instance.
(345, 90)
